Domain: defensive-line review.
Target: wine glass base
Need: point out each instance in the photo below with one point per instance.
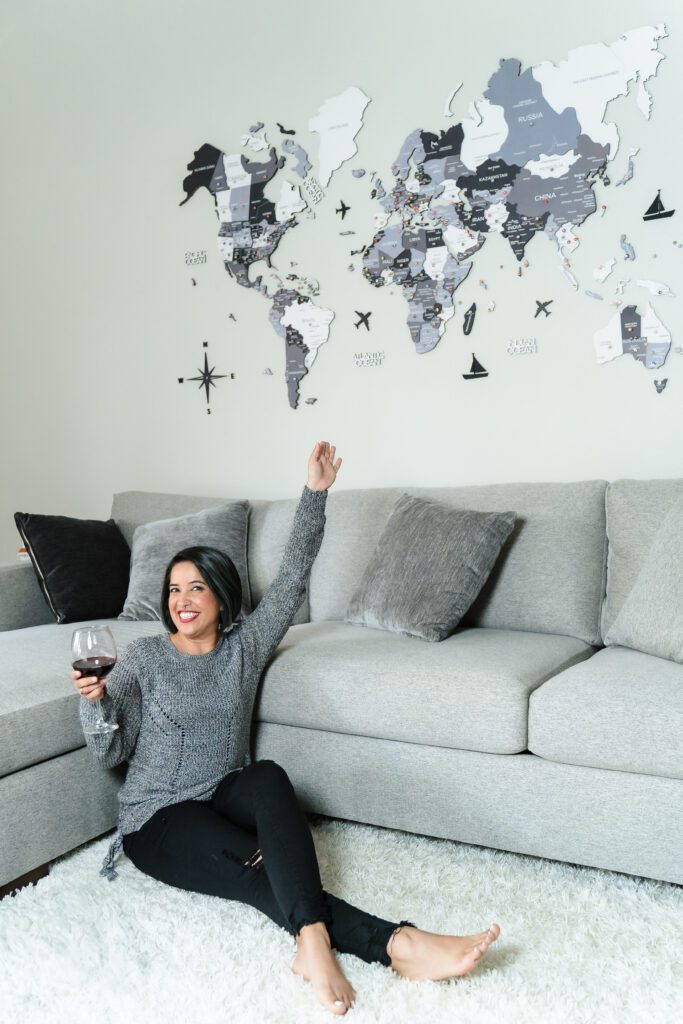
(100, 729)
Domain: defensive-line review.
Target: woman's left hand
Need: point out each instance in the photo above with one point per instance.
(322, 468)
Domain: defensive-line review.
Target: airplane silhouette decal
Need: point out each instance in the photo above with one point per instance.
(542, 307)
(364, 318)
(343, 209)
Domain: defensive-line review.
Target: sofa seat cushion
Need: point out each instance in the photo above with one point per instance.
(622, 710)
(38, 704)
(469, 691)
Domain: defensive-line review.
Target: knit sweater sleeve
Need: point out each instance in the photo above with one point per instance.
(121, 703)
(263, 630)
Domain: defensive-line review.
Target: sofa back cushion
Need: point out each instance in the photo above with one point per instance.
(549, 577)
(270, 523)
(635, 509)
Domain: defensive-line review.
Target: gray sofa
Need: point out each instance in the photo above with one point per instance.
(521, 731)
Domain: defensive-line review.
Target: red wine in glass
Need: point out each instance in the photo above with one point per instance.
(94, 666)
(93, 653)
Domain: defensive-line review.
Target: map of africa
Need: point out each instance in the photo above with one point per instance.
(523, 162)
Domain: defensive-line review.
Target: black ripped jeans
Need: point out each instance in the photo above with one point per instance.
(251, 842)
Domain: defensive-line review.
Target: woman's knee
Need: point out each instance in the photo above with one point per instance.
(270, 769)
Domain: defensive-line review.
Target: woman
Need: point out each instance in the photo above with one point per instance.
(195, 811)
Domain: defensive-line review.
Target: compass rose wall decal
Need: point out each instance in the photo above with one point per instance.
(207, 378)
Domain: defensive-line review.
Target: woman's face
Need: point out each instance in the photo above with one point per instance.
(192, 604)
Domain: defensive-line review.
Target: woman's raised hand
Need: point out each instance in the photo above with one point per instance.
(322, 468)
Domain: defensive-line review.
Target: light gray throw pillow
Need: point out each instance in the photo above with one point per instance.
(155, 544)
(651, 617)
(429, 565)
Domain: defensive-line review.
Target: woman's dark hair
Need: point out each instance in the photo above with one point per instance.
(222, 579)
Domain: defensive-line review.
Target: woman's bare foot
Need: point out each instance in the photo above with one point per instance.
(426, 956)
(316, 962)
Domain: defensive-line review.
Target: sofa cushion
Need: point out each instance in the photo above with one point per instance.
(549, 577)
(470, 691)
(430, 563)
(651, 617)
(270, 523)
(156, 543)
(621, 710)
(635, 508)
(22, 602)
(38, 704)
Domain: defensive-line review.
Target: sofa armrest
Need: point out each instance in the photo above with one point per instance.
(21, 600)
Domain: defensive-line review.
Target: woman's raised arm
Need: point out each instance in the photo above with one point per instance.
(263, 630)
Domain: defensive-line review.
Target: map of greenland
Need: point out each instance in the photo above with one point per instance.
(523, 162)
(337, 123)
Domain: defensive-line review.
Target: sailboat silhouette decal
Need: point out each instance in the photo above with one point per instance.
(656, 209)
(476, 370)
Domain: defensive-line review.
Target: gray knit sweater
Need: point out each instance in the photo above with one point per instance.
(185, 719)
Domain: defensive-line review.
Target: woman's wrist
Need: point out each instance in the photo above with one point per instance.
(312, 487)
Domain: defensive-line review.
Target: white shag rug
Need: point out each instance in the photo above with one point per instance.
(577, 945)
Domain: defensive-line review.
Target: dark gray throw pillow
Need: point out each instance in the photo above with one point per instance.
(429, 565)
(155, 544)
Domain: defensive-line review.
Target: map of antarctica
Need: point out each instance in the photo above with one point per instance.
(524, 161)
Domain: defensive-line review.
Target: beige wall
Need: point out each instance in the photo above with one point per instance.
(103, 106)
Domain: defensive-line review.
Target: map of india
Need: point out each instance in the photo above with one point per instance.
(524, 161)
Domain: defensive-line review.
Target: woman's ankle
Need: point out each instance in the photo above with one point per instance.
(401, 943)
(313, 933)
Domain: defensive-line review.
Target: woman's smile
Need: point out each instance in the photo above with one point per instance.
(193, 606)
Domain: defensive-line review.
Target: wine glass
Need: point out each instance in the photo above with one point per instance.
(93, 653)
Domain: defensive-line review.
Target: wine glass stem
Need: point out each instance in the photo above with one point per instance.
(98, 705)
